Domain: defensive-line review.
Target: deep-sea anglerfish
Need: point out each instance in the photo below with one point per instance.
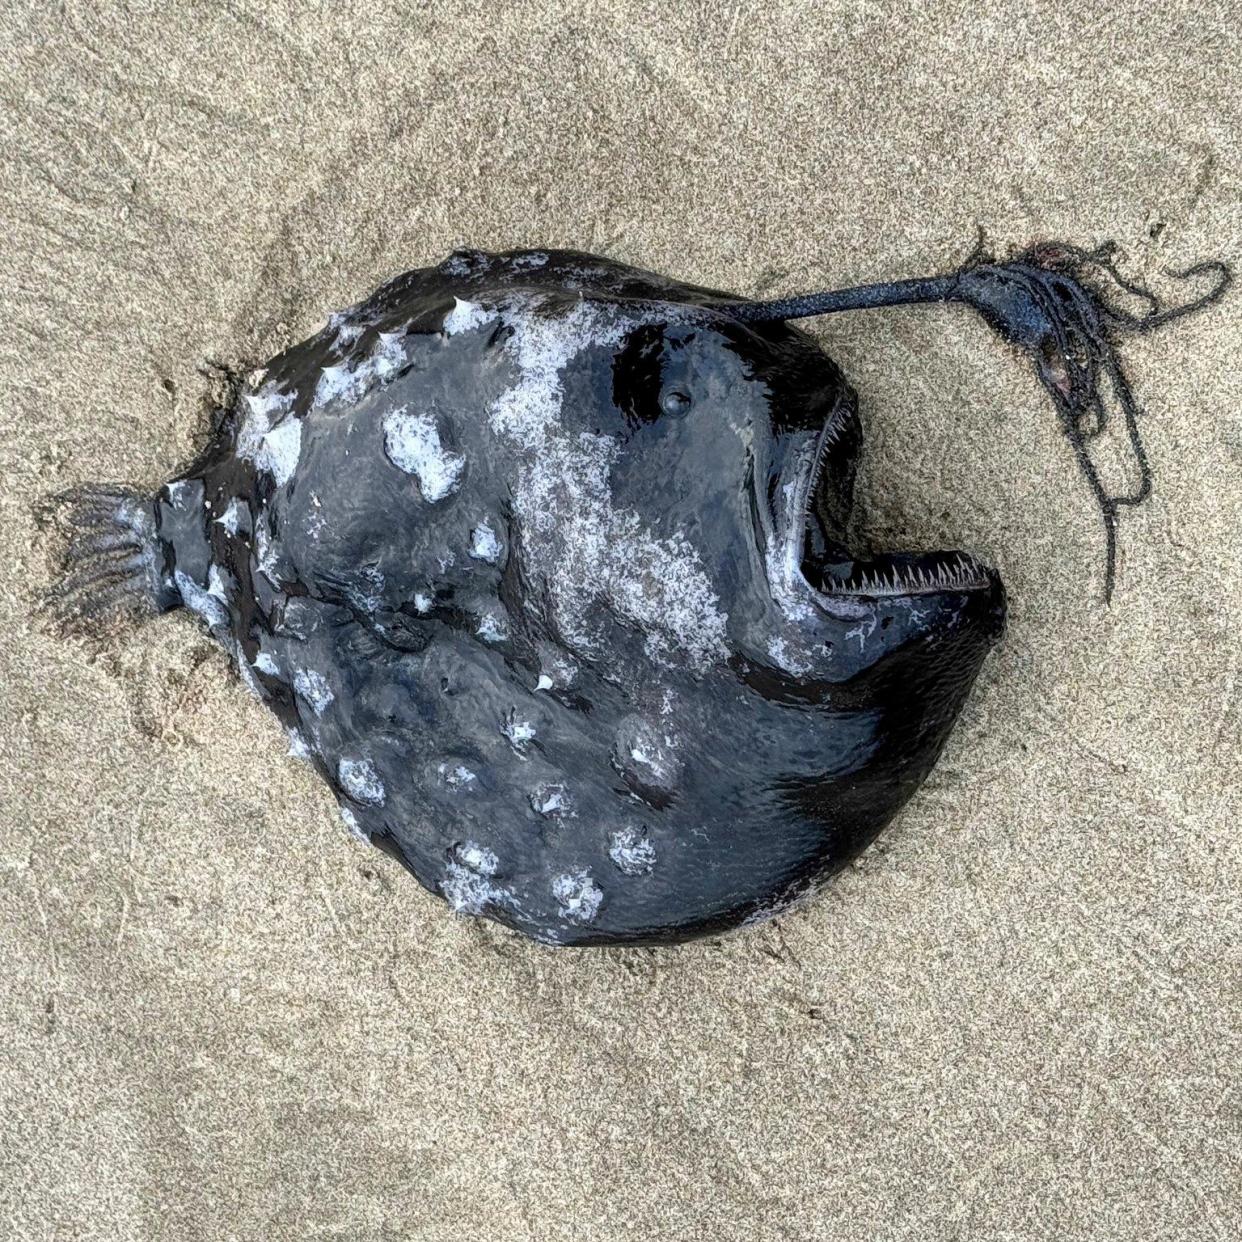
(544, 563)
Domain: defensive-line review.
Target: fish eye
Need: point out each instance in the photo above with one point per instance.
(675, 402)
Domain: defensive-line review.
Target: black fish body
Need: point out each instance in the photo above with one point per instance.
(542, 563)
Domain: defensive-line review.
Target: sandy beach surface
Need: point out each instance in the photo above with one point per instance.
(1016, 1017)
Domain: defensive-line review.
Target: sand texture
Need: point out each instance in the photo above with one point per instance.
(1016, 1018)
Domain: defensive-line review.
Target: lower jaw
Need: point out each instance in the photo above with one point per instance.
(899, 575)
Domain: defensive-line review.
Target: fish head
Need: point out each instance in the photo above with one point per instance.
(730, 451)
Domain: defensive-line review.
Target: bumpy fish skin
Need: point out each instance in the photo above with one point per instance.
(514, 548)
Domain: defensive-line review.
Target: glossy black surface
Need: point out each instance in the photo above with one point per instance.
(661, 697)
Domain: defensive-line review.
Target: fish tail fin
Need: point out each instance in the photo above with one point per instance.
(112, 563)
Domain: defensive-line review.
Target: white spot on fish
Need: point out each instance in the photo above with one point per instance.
(269, 437)
(527, 262)
(369, 593)
(266, 663)
(457, 777)
(583, 546)
(577, 895)
(422, 603)
(352, 380)
(458, 265)
(465, 317)
(202, 602)
(355, 828)
(519, 732)
(468, 892)
(544, 682)
(344, 326)
(335, 382)
(632, 853)
(645, 752)
(314, 688)
(282, 446)
(361, 781)
(215, 584)
(477, 858)
(412, 442)
(266, 555)
(484, 546)
(249, 680)
(552, 800)
(492, 628)
(791, 662)
(298, 747)
(230, 519)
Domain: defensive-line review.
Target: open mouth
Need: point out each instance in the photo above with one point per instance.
(832, 570)
(901, 575)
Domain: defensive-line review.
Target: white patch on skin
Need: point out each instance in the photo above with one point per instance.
(553, 801)
(519, 732)
(313, 688)
(369, 595)
(465, 317)
(457, 777)
(231, 517)
(484, 546)
(412, 442)
(315, 521)
(334, 381)
(650, 755)
(578, 541)
(577, 895)
(204, 603)
(493, 629)
(790, 661)
(266, 556)
(245, 672)
(344, 326)
(389, 356)
(458, 265)
(632, 853)
(361, 781)
(565, 669)
(352, 380)
(527, 262)
(298, 747)
(544, 682)
(269, 437)
(266, 663)
(282, 446)
(477, 858)
(468, 892)
(863, 631)
(215, 584)
(422, 603)
(356, 830)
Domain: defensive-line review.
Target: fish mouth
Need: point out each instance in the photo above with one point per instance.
(817, 514)
(900, 575)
